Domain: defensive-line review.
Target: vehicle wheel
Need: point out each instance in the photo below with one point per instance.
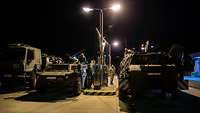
(34, 80)
(122, 94)
(77, 87)
(35, 84)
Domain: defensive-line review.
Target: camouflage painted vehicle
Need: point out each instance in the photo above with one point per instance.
(59, 76)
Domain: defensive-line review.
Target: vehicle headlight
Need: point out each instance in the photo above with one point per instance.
(134, 68)
(66, 76)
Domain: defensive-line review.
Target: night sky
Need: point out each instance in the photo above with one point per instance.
(60, 26)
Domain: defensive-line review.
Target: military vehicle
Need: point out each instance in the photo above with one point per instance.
(27, 65)
(59, 75)
(142, 72)
(19, 64)
(149, 71)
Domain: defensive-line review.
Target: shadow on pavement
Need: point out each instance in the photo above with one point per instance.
(6, 90)
(52, 95)
(185, 103)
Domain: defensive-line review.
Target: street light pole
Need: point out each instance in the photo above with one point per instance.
(115, 8)
(110, 62)
(101, 39)
(101, 46)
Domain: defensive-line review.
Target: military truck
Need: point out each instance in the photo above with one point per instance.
(152, 71)
(64, 75)
(19, 64)
(144, 72)
(27, 65)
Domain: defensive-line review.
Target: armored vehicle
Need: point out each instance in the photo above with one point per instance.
(144, 72)
(148, 71)
(63, 75)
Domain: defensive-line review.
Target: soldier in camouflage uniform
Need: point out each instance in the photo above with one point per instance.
(112, 71)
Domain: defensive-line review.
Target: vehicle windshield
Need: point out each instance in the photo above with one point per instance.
(148, 59)
(13, 54)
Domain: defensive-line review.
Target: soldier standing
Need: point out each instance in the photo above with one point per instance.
(112, 71)
(82, 58)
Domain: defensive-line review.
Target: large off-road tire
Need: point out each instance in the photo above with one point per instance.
(35, 82)
(77, 87)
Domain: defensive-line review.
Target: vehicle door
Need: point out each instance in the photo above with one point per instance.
(30, 60)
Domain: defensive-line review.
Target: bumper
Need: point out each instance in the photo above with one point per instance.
(58, 80)
(144, 80)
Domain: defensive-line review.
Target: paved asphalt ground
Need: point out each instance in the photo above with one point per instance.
(187, 102)
(56, 102)
(19, 100)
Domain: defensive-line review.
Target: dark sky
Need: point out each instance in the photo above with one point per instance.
(59, 26)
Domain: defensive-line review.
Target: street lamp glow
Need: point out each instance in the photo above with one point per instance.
(115, 7)
(115, 43)
(87, 9)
